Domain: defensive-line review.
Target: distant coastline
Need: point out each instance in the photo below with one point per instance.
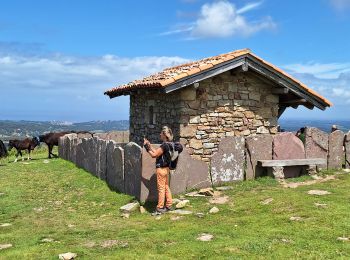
(18, 129)
(325, 125)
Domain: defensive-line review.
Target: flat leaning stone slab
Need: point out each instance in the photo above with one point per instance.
(181, 212)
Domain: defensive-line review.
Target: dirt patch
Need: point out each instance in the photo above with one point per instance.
(294, 185)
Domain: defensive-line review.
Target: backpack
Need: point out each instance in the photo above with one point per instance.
(172, 156)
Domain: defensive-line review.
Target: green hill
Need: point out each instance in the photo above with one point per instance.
(52, 207)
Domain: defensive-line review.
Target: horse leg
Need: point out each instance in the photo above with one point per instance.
(20, 152)
(29, 158)
(50, 150)
(16, 156)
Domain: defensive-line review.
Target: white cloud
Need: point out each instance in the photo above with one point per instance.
(72, 86)
(331, 80)
(222, 19)
(340, 5)
(325, 70)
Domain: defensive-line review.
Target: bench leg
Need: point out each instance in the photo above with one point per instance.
(277, 172)
(312, 169)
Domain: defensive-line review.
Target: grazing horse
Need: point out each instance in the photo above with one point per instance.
(3, 151)
(26, 144)
(51, 139)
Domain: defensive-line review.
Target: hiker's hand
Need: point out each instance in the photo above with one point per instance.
(146, 142)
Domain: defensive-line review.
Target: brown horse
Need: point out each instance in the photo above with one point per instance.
(51, 139)
(27, 144)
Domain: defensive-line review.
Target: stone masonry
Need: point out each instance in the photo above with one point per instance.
(230, 104)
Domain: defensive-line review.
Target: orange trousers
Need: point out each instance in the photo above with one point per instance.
(164, 193)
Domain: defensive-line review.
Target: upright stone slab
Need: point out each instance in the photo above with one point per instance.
(336, 150)
(258, 147)
(101, 158)
(148, 177)
(347, 150)
(70, 146)
(90, 155)
(227, 164)
(287, 146)
(61, 147)
(132, 169)
(189, 174)
(80, 160)
(316, 144)
(74, 149)
(115, 167)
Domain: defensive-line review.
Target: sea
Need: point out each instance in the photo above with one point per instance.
(292, 125)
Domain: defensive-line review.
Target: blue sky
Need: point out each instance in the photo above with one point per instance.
(58, 57)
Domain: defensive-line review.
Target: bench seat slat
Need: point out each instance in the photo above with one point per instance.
(292, 162)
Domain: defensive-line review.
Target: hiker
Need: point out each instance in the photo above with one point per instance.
(334, 128)
(162, 169)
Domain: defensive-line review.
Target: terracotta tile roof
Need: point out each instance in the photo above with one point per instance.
(170, 75)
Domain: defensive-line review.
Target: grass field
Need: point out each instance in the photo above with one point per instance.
(58, 201)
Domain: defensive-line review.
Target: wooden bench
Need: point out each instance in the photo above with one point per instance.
(275, 167)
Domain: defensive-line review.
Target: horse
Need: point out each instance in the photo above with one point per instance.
(3, 150)
(26, 144)
(51, 139)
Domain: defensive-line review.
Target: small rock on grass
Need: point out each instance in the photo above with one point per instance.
(287, 241)
(295, 218)
(214, 210)
(5, 225)
(47, 240)
(142, 210)
(112, 243)
(194, 194)
(219, 200)
(174, 218)
(182, 204)
(223, 188)
(267, 201)
(130, 207)
(205, 237)
(5, 246)
(125, 215)
(206, 192)
(2, 194)
(346, 170)
(320, 205)
(318, 192)
(343, 239)
(46, 161)
(175, 201)
(158, 217)
(67, 256)
(200, 215)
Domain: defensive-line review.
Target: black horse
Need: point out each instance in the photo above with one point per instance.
(3, 150)
(26, 144)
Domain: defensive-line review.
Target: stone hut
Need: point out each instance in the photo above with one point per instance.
(233, 94)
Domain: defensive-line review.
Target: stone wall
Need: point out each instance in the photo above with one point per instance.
(230, 104)
(129, 168)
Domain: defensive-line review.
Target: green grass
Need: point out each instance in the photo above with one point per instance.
(57, 200)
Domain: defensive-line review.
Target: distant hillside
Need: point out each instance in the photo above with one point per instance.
(10, 128)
